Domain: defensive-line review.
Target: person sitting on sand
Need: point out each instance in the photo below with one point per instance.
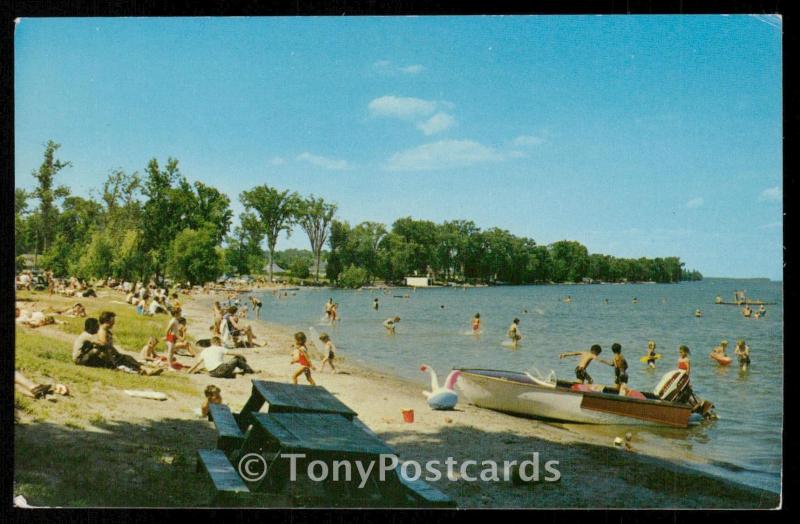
(34, 390)
(586, 358)
(256, 303)
(213, 360)
(620, 366)
(651, 353)
(476, 323)
(213, 395)
(684, 361)
(742, 351)
(148, 352)
(330, 352)
(181, 342)
(390, 323)
(513, 332)
(300, 357)
(217, 318)
(235, 330)
(141, 305)
(86, 351)
(157, 306)
(174, 303)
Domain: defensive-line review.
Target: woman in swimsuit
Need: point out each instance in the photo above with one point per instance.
(300, 356)
(684, 362)
(476, 324)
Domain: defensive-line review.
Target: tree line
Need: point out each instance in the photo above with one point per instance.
(159, 225)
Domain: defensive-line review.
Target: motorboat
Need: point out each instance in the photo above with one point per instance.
(672, 403)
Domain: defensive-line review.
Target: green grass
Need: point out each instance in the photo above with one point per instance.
(40, 356)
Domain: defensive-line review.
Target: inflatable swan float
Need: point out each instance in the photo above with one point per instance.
(444, 397)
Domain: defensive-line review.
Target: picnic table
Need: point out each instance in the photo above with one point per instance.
(291, 398)
(314, 426)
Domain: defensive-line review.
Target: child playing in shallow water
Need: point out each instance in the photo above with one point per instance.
(651, 353)
(330, 352)
(743, 352)
(513, 332)
(213, 396)
(476, 323)
(583, 363)
(300, 356)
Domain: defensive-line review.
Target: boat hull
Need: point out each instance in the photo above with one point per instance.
(516, 394)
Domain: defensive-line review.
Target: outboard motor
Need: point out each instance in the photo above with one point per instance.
(674, 386)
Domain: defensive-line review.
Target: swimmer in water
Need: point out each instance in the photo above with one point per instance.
(375, 303)
(389, 324)
(698, 313)
(743, 352)
(651, 353)
(513, 332)
(476, 324)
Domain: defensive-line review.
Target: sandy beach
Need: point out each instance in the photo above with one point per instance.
(593, 472)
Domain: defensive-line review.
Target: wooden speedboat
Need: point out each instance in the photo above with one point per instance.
(524, 394)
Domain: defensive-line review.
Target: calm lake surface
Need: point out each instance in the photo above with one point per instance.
(744, 444)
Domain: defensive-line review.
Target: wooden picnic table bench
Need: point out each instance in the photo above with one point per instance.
(291, 398)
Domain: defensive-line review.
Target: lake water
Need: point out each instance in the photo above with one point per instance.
(744, 444)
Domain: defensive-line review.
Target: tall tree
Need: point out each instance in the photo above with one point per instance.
(277, 211)
(160, 224)
(315, 217)
(47, 193)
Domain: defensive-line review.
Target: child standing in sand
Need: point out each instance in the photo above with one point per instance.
(586, 358)
(330, 352)
(171, 335)
(300, 356)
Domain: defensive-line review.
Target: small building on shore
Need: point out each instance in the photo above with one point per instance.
(418, 281)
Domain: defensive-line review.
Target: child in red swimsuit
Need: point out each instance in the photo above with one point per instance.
(300, 356)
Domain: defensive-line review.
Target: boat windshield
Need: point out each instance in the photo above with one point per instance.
(534, 374)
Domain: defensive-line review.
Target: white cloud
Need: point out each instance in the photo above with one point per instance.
(772, 194)
(413, 69)
(436, 124)
(277, 161)
(528, 140)
(323, 162)
(388, 68)
(442, 155)
(694, 203)
(405, 108)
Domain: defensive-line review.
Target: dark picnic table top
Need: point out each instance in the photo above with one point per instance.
(320, 432)
(282, 397)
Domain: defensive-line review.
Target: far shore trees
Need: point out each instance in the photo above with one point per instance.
(161, 225)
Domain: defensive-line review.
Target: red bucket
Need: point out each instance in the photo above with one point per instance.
(408, 415)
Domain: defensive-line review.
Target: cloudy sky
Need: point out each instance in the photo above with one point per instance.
(635, 135)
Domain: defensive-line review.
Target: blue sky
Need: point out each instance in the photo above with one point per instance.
(635, 135)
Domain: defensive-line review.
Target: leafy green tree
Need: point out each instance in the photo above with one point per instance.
(353, 277)
(276, 210)
(46, 193)
(193, 256)
(315, 217)
(299, 268)
(96, 259)
(160, 224)
(338, 252)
